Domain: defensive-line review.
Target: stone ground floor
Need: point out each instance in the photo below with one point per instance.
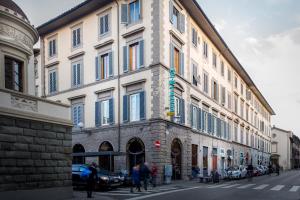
(174, 148)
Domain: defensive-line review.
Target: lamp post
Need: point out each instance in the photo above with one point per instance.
(81, 125)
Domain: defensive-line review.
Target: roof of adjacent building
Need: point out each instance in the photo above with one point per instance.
(13, 6)
(196, 13)
(280, 129)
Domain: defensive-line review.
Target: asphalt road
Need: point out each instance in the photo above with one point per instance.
(283, 187)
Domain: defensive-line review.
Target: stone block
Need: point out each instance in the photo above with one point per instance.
(8, 138)
(36, 148)
(46, 134)
(58, 169)
(49, 177)
(59, 149)
(11, 130)
(62, 163)
(41, 140)
(67, 143)
(35, 155)
(20, 178)
(57, 156)
(67, 182)
(17, 154)
(8, 162)
(47, 126)
(46, 170)
(68, 136)
(25, 139)
(50, 148)
(34, 177)
(24, 162)
(7, 121)
(50, 163)
(58, 128)
(29, 132)
(20, 147)
(39, 163)
(7, 146)
(60, 136)
(45, 156)
(36, 125)
(55, 142)
(62, 176)
(29, 170)
(23, 123)
(14, 170)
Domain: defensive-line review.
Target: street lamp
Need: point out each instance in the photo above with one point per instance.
(81, 125)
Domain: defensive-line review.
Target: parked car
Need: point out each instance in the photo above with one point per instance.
(106, 179)
(259, 171)
(125, 178)
(262, 169)
(237, 172)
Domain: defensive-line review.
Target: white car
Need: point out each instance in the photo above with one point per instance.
(237, 172)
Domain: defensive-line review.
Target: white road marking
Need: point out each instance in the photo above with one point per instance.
(277, 187)
(245, 186)
(116, 194)
(231, 186)
(294, 188)
(261, 187)
(162, 193)
(217, 186)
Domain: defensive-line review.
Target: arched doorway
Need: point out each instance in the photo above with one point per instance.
(176, 159)
(78, 148)
(135, 152)
(106, 162)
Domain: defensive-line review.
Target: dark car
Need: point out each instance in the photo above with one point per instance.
(106, 179)
(125, 178)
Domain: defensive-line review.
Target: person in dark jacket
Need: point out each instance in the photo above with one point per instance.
(145, 174)
(154, 174)
(136, 178)
(91, 179)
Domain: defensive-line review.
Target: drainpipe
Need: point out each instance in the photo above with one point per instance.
(42, 52)
(119, 109)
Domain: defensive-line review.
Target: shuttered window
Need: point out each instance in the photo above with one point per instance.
(104, 24)
(76, 74)
(177, 59)
(195, 74)
(194, 37)
(76, 37)
(194, 117)
(77, 114)
(104, 66)
(176, 18)
(205, 50)
(134, 107)
(205, 83)
(133, 56)
(214, 60)
(52, 81)
(52, 47)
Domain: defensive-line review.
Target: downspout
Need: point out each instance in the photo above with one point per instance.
(42, 52)
(118, 46)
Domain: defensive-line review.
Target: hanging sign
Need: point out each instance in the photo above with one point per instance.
(172, 94)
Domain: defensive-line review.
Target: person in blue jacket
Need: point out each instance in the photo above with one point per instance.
(136, 181)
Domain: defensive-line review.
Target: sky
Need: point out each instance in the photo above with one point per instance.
(263, 34)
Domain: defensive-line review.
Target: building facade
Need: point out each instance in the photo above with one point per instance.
(35, 133)
(136, 77)
(295, 152)
(282, 148)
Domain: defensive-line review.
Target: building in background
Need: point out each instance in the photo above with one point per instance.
(282, 148)
(35, 133)
(295, 152)
(163, 88)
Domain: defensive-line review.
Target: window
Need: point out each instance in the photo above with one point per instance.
(247, 112)
(77, 114)
(133, 56)
(36, 72)
(179, 116)
(229, 101)
(104, 24)
(235, 132)
(205, 121)
(195, 74)
(177, 59)
(194, 37)
(215, 90)
(223, 95)
(36, 91)
(76, 74)
(104, 68)
(52, 47)
(104, 112)
(248, 94)
(235, 82)
(242, 135)
(14, 74)
(242, 89)
(194, 117)
(52, 81)
(235, 103)
(134, 107)
(176, 18)
(229, 126)
(242, 108)
(205, 50)
(205, 83)
(222, 68)
(214, 60)
(76, 38)
(229, 75)
(134, 11)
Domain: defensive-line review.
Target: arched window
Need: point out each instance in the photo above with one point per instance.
(78, 148)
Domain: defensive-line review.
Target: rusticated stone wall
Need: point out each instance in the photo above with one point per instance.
(34, 155)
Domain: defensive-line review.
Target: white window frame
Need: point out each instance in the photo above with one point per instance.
(134, 107)
(104, 112)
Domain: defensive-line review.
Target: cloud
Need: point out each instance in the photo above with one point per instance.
(220, 25)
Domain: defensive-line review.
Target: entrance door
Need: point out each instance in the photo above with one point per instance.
(205, 161)
(194, 155)
(214, 162)
(106, 162)
(176, 159)
(135, 152)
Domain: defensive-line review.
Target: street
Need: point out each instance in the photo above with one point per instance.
(283, 187)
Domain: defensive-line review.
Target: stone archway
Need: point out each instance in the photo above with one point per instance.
(176, 159)
(135, 152)
(78, 148)
(106, 162)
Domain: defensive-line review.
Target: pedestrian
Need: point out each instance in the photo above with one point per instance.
(270, 169)
(250, 172)
(145, 174)
(136, 178)
(91, 180)
(277, 169)
(154, 174)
